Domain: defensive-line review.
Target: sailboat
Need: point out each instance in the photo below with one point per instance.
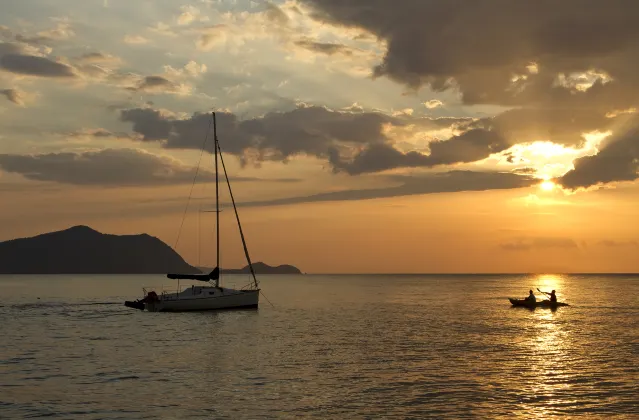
(211, 296)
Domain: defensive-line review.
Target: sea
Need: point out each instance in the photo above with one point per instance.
(322, 346)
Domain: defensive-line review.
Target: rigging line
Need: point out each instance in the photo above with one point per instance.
(262, 293)
(237, 216)
(197, 170)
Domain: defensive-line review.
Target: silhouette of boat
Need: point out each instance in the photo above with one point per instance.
(212, 296)
(537, 304)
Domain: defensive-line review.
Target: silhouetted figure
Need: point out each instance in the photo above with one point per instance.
(531, 297)
(553, 296)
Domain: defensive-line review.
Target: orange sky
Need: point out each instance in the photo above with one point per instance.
(361, 137)
(525, 230)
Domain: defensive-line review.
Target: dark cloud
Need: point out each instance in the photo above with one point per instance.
(617, 161)
(156, 84)
(559, 125)
(151, 124)
(324, 47)
(277, 136)
(7, 48)
(528, 244)
(355, 142)
(483, 43)
(564, 66)
(525, 171)
(13, 95)
(275, 14)
(375, 158)
(35, 66)
(470, 146)
(444, 182)
(110, 168)
(107, 167)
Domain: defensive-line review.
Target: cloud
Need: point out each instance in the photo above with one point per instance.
(470, 146)
(111, 168)
(35, 66)
(107, 167)
(299, 36)
(135, 40)
(617, 161)
(8, 48)
(563, 68)
(433, 103)
(99, 58)
(101, 67)
(61, 31)
(444, 182)
(160, 84)
(324, 47)
(190, 69)
(618, 244)
(564, 126)
(212, 37)
(429, 42)
(189, 15)
(355, 142)
(96, 133)
(27, 57)
(16, 96)
(529, 244)
(162, 28)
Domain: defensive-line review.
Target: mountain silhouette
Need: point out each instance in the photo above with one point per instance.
(259, 268)
(82, 250)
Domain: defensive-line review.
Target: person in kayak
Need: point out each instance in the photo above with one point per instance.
(553, 296)
(531, 297)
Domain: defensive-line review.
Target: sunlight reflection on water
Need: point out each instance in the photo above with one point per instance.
(333, 346)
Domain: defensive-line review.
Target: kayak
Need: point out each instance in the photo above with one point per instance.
(538, 304)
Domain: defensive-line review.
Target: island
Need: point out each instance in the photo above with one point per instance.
(258, 268)
(83, 250)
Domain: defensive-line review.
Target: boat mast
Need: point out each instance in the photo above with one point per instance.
(217, 203)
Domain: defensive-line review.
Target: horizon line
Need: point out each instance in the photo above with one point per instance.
(350, 274)
(470, 273)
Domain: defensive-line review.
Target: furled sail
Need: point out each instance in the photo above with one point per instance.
(213, 275)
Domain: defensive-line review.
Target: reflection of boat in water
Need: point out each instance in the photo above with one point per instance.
(537, 304)
(202, 298)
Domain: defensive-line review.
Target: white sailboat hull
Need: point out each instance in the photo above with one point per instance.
(203, 301)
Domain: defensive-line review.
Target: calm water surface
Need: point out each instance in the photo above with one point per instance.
(330, 347)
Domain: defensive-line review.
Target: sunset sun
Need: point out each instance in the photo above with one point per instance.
(547, 186)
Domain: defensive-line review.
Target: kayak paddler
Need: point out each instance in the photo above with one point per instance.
(531, 297)
(553, 296)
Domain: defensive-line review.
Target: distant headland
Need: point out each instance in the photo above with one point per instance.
(83, 250)
(259, 268)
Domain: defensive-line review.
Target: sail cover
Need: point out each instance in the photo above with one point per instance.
(213, 275)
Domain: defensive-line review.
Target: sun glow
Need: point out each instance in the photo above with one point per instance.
(547, 186)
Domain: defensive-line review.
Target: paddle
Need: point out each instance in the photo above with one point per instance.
(547, 294)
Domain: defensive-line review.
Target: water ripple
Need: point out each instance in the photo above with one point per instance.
(353, 347)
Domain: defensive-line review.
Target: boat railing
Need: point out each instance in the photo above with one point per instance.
(167, 290)
(163, 290)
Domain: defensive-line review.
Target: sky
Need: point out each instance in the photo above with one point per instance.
(361, 136)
